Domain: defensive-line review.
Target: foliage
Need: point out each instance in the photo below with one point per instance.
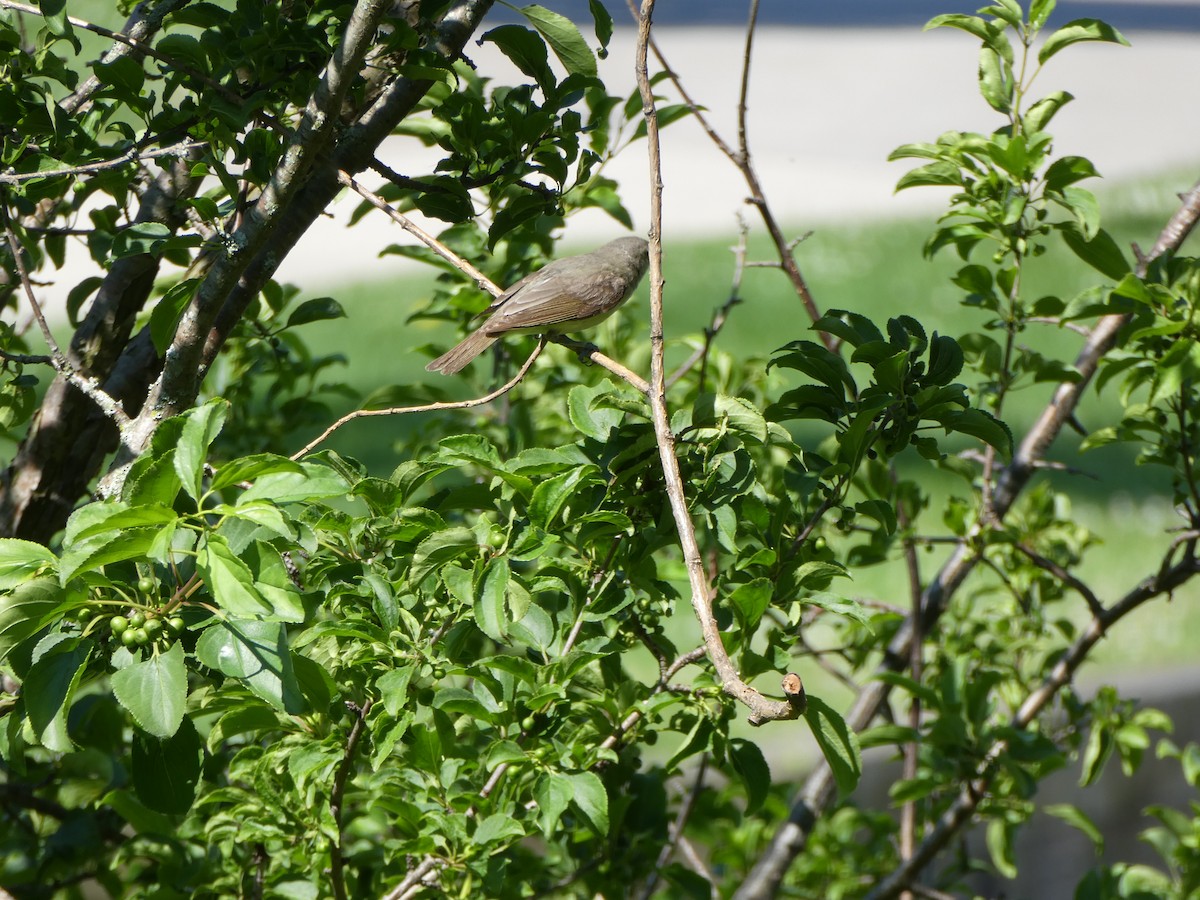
(240, 673)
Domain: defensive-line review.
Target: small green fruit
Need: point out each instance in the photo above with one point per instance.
(118, 624)
(154, 627)
(177, 625)
(129, 637)
(137, 620)
(146, 584)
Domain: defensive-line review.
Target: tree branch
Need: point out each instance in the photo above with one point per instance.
(761, 708)
(741, 159)
(428, 407)
(337, 873)
(58, 361)
(818, 791)
(960, 812)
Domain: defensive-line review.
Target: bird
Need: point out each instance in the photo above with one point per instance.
(564, 296)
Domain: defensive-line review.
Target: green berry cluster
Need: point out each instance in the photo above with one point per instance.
(142, 629)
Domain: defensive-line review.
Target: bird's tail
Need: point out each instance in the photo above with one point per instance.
(460, 354)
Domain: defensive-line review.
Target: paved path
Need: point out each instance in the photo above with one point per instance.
(826, 107)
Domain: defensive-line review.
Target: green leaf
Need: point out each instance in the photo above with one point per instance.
(751, 765)
(979, 424)
(25, 610)
(750, 601)
(498, 828)
(1038, 116)
(491, 602)
(168, 311)
(526, 50)
(553, 794)
(1076, 817)
(316, 310)
(591, 799)
(139, 238)
(316, 482)
(230, 579)
(837, 742)
(742, 416)
(604, 23)
(49, 687)
(200, 428)
(251, 468)
(1067, 170)
(841, 606)
(1039, 12)
(564, 39)
(256, 652)
(975, 25)
(166, 772)
(154, 690)
(589, 416)
(999, 843)
(55, 14)
(1100, 252)
(438, 549)
(1080, 30)
(22, 560)
(124, 73)
(994, 82)
(553, 495)
(937, 174)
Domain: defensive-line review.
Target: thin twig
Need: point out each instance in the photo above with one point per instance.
(741, 159)
(88, 386)
(761, 708)
(336, 795)
(720, 315)
(426, 407)
(591, 354)
(414, 879)
(482, 281)
(675, 833)
(912, 750)
(131, 155)
(1064, 576)
(602, 573)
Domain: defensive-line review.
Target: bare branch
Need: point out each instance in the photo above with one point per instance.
(184, 365)
(761, 708)
(87, 385)
(337, 794)
(1064, 576)
(133, 154)
(675, 833)
(482, 281)
(427, 407)
(720, 315)
(741, 159)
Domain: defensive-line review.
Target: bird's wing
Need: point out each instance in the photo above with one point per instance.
(543, 301)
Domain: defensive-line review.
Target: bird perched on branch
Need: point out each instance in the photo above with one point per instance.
(563, 297)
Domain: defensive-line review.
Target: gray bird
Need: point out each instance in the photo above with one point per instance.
(563, 297)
